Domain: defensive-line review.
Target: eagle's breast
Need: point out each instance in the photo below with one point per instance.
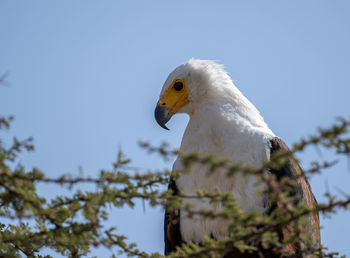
(231, 138)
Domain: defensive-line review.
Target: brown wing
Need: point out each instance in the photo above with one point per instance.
(302, 189)
(172, 235)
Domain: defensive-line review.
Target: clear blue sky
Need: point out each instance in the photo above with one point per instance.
(85, 77)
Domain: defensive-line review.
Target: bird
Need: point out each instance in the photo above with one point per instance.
(224, 123)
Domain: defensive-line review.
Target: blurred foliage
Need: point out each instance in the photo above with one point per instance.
(72, 224)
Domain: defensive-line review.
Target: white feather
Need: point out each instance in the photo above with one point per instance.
(223, 123)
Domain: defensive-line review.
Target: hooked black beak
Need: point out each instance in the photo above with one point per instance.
(162, 115)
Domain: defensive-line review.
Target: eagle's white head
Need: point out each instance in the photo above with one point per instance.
(196, 84)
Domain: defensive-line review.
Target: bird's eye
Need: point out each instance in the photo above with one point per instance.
(178, 86)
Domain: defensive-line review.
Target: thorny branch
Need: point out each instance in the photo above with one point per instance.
(72, 224)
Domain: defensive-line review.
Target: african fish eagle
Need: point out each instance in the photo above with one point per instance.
(226, 124)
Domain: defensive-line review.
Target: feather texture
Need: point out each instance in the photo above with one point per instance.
(225, 124)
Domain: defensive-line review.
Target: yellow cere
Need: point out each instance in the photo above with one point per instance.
(174, 99)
